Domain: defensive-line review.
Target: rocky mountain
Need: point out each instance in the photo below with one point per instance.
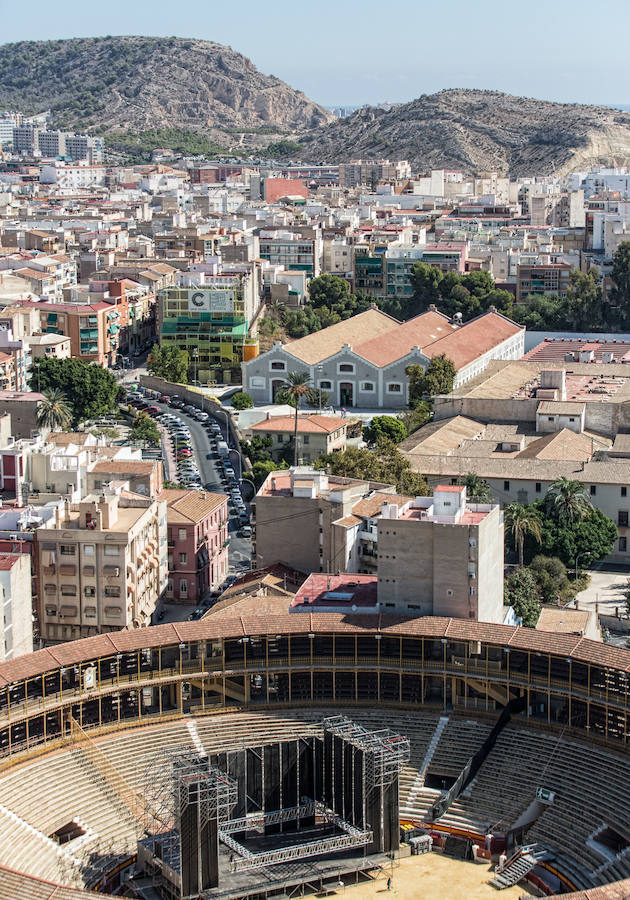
(138, 83)
(479, 131)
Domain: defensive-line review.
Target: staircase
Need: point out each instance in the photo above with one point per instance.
(518, 866)
(418, 783)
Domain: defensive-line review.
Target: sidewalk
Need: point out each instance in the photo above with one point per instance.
(605, 591)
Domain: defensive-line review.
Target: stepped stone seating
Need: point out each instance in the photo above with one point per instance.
(591, 785)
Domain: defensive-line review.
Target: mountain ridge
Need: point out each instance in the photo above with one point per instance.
(133, 83)
(477, 131)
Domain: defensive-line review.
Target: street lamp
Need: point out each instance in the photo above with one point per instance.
(585, 553)
(195, 355)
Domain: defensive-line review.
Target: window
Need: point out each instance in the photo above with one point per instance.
(88, 549)
(111, 549)
(623, 544)
(367, 386)
(394, 388)
(50, 588)
(183, 586)
(550, 418)
(89, 591)
(325, 385)
(280, 438)
(346, 367)
(256, 381)
(278, 366)
(182, 558)
(622, 518)
(624, 491)
(306, 438)
(68, 590)
(68, 549)
(506, 485)
(51, 610)
(593, 490)
(181, 534)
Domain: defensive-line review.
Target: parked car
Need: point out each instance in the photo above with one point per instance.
(164, 398)
(246, 531)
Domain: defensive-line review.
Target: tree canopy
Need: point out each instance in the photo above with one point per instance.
(145, 429)
(477, 488)
(384, 427)
(88, 388)
(384, 463)
(170, 363)
(437, 378)
(242, 400)
(521, 593)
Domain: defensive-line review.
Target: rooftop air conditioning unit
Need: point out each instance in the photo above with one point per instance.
(14, 537)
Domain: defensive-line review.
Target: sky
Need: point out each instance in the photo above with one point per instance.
(344, 52)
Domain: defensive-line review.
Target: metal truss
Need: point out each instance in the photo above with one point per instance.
(249, 860)
(352, 837)
(385, 751)
(172, 778)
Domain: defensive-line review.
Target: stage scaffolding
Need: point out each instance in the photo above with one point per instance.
(385, 751)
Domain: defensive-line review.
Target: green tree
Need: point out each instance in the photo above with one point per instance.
(583, 302)
(258, 449)
(316, 398)
(242, 400)
(425, 281)
(552, 580)
(261, 469)
(384, 426)
(437, 378)
(521, 522)
(90, 389)
(567, 501)
(589, 538)
(477, 488)
(298, 385)
(330, 291)
(417, 416)
(521, 593)
(54, 412)
(170, 363)
(384, 463)
(145, 429)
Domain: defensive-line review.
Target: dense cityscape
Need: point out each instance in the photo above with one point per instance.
(314, 514)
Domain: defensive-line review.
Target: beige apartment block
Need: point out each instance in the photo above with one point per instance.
(306, 519)
(103, 567)
(16, 634)
(316, 435)
(441, 556)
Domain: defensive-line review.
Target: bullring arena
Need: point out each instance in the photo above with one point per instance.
(79, 722)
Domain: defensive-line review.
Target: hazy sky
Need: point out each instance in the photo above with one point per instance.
(347, 52)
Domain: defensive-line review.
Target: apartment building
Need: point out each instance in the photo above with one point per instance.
(50, 346)
(197, 524)
(358, 173)
(441, 556)
(302, 520)
(72, 177)
(103, 566)
(292, 251)
(16, 624)
(93, 328)
(144, 476)
(550, 278)
(316, 435)
(31, 140)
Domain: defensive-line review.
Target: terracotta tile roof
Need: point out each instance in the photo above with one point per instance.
(474, 339)
(423, 330)
(561, 407)
(322, 344)
(125, 466)
(348, 521)
(517, 637)
(371, 506)
(190, 506)
(560, 445)
(567, 621)
(8, 560)
(307, 424)
(64, 438)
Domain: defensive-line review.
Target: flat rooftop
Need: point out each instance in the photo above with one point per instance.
(322, 591)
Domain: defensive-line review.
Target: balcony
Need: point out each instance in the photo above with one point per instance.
(369, 535)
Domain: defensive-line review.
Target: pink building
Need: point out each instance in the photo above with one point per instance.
(197, 523)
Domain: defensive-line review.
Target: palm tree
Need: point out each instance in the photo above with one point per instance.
(477, 488)
(297, 385)
(521, 521)
(567, 500)
(54, 412)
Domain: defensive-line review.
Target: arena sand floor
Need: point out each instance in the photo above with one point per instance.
(432, 875)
